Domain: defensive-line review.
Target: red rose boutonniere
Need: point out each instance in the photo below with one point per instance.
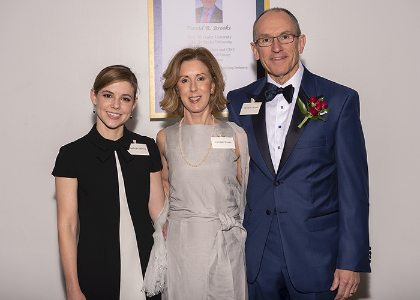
(313, 109)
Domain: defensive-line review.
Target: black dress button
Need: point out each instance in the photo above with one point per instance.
(268, 212)
(276, 183)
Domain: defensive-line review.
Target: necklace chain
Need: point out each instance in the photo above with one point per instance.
(182, 153)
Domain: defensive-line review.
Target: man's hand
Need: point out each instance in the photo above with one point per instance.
(347, 283)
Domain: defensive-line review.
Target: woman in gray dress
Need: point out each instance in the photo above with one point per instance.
(205, 170)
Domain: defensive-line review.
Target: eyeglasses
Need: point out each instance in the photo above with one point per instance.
(283, 39)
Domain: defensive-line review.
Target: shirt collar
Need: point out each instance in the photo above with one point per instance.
(109, 146)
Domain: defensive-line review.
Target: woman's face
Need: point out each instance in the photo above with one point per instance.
(114, 105)
(194, 86)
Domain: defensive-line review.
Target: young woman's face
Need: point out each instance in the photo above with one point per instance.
(114, 105)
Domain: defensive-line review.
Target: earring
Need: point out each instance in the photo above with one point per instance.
(211, 93)
(131, 116)
(94, 110)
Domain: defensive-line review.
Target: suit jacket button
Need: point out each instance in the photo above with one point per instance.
(276, 183)
(268, 212)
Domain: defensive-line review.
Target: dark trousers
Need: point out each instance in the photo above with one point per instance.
(273, 281)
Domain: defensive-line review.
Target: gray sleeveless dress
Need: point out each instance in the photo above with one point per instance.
(205, 238)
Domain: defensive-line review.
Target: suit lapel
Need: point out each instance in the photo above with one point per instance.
(294, 132)
(260, 129)
(307, 87)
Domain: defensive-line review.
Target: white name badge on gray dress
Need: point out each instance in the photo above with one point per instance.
(138, 149)
(221, 142)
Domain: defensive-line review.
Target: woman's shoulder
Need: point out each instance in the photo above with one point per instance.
(76, 145)
(141, 139)
(67, 159)
(235, 127)
(171, 129)
(232, 126)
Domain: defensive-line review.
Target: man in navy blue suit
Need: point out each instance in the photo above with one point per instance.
(307, 199)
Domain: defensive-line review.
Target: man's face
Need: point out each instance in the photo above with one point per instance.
(208, 4)
(279, 60)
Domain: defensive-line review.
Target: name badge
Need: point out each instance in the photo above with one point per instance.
(138, 149)
(251, 108)
(221, 142)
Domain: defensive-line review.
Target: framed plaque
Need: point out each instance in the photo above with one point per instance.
(227, 33)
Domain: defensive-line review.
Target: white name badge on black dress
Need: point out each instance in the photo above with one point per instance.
(138, 149)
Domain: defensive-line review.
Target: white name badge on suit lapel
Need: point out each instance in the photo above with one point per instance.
(251, 108)
(138, 149)
(221, 142)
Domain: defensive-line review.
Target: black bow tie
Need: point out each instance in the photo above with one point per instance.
(271, 91)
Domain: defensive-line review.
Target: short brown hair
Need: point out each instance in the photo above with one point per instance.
(276, 9)
(171, 101)
(113, 74)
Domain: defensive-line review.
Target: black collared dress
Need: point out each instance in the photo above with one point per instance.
(110, 179)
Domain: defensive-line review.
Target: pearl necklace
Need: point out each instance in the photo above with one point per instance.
(182, 153)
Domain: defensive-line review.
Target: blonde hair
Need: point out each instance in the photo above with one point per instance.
(171, 101)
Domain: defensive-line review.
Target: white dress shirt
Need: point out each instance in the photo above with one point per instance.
(278, 114)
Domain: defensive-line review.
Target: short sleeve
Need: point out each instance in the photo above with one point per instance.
(64, 165)
(156, 163)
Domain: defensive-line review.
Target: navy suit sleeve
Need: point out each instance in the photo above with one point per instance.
(353, 191)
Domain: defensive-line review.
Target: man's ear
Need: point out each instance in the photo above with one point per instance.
(255, 51)
(301, 43)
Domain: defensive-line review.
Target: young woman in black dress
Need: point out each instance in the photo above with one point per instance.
(110, 181)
